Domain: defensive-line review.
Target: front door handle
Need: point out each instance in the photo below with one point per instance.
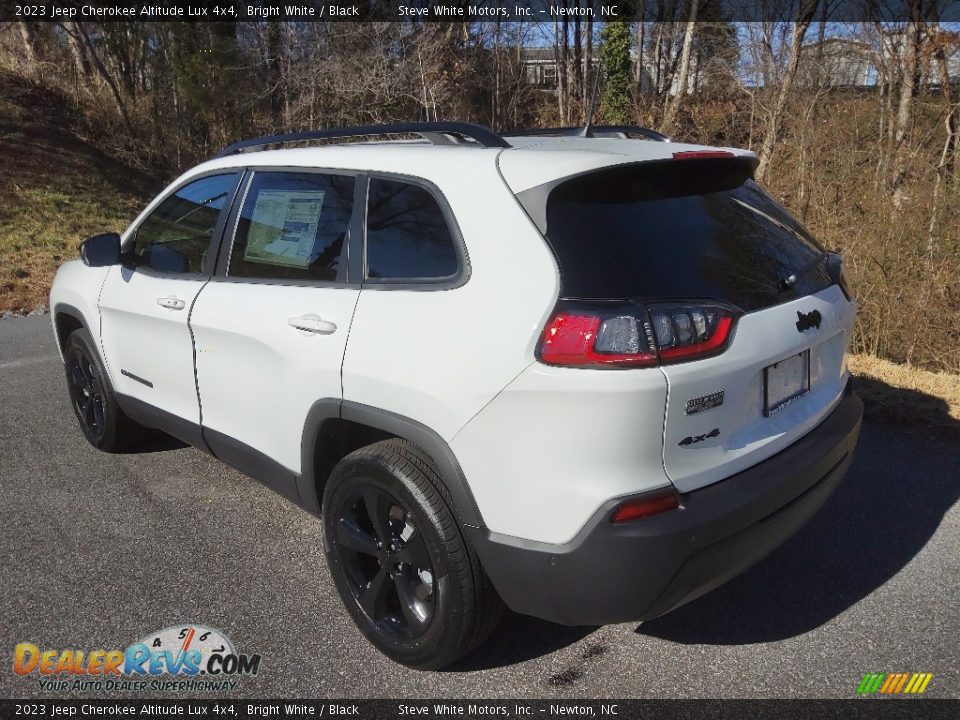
(171, 302)
(312, 324)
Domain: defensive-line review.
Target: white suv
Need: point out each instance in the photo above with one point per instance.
(586, 376)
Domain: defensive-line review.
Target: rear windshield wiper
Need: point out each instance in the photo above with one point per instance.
(791, 280)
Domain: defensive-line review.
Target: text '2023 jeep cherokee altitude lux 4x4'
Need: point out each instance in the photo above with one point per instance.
(590, 378)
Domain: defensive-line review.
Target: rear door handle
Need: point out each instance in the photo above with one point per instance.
(313, 324)
(171, 302)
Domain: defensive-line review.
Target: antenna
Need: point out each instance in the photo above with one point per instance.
(588, 126)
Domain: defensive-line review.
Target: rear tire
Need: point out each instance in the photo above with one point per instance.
(408, 577)
(103, 423)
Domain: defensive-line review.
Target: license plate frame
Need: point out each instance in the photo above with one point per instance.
(785, 382)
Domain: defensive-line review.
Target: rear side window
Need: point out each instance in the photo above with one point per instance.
(408, 237)
(293, 226)
(675, 229)
(176, 236)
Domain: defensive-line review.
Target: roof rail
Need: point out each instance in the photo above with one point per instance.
(439, 133)
(621, 131)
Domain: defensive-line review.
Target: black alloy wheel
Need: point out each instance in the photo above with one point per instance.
(86, 393)
(386, 562)
(410, 581)
(102, 420)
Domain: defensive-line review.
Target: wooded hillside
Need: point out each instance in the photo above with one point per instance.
(856, 125)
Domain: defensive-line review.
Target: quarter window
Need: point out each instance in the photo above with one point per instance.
(407, 234)
(176, 236)
(294, 226)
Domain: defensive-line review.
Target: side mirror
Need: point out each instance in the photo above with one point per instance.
(101, 250)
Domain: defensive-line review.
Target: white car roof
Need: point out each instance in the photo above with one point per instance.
(529, 162)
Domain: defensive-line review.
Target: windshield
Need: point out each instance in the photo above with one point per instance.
(679, 230)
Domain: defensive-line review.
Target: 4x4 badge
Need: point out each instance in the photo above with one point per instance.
(694, 439)
(805, 321)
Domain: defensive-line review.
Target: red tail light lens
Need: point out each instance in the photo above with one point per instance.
(645, 507)
(628, 335)
(581, 338)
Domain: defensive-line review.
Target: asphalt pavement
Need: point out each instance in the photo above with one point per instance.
(98, 550)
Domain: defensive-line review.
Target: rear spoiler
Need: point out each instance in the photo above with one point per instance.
(685, 173)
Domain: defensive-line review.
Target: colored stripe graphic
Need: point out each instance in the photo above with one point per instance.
(871, 683)
(918, 683)
(894, 683)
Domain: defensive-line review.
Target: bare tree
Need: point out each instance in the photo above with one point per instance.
(673, 103)
(805, 16)
(909, 64)
(943, 44)
(77, 49)
(29, 43)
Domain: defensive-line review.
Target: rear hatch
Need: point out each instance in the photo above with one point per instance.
(679, 235)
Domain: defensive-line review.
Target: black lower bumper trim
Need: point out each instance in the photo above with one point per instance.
(637, 571)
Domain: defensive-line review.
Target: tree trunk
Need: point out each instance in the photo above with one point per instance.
(587, 69)
(673, 102)
(77, 50)
(638, 69)
(275, 74)
(807, 9)
(658, 60)
(945, 167)
(577, 92)
(909, 56)
(105, 74)
(563, 73)
(560, 63)
(29, 44)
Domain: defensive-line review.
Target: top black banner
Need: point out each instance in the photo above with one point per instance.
(416, 11)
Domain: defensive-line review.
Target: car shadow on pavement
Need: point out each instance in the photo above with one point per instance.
(154, 441)
(519, 638)
(902, 482)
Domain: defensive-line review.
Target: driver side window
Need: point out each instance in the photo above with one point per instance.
(175, 237)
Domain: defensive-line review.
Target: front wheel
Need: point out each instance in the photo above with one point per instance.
(103, 423)
(403, 569)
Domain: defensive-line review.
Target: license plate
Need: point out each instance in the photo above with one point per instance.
(786, 381)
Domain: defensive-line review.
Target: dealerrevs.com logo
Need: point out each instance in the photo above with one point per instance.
(178, 658)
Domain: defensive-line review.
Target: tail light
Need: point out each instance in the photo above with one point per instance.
(601, 335)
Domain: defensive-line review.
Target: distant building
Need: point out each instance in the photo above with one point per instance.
(540, 66)
(841, 62)
(837, 62)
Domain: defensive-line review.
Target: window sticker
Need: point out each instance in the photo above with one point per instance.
(283, 230)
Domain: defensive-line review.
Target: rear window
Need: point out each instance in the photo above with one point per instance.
(407, 234)
(678, 230)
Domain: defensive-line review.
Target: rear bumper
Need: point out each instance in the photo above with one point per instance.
(637, 571)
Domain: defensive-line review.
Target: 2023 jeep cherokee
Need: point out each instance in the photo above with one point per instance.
(591, 378)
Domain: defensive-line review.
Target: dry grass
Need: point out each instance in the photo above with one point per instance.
(907, 396)
(55, 190)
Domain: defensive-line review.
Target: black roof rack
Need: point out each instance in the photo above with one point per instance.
(439, 133)
(620, 131)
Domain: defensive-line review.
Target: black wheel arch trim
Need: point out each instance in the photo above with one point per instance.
(400, 426)
(71, 311)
